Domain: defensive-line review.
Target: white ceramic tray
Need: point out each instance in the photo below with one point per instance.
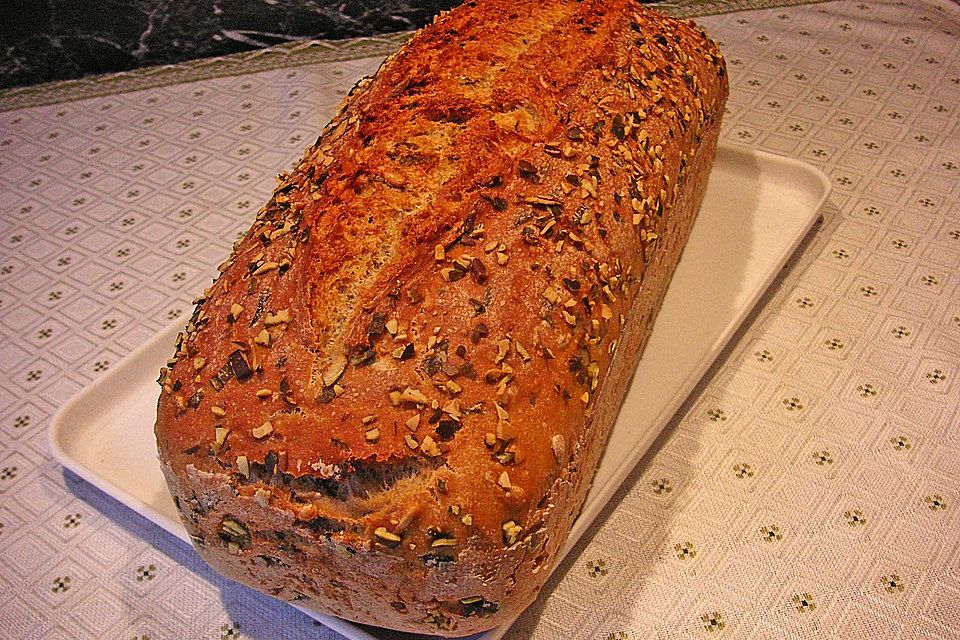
(757, 209)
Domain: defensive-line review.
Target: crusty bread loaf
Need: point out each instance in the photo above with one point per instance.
(390, 404)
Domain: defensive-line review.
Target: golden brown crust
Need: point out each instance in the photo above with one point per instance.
(390, 404)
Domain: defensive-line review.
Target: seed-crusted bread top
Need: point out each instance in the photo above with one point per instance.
(404, 352)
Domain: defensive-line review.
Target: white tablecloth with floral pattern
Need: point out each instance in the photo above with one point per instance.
(808, 489)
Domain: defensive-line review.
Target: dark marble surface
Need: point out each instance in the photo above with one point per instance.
(43, 40)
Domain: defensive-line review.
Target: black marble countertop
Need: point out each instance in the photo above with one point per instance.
(49, 40)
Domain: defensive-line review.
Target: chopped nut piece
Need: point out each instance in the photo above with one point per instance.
(452, 409)
(544, 200)
(605, 311)
(505, 431)
(439, 254)
(467, 519)
(479, 332)
(552, 295)
(263, 393)
(414, 395)
(263, 338)
(526, 169)
(263, 430)
(504, 391)
(502, 258)
(478, 270)
(429, 447)
(489, 439)
(335, 370)
(504, 481)
(280, 317)
(383, 534)
(218, 411)
(392, 326)
(569, 318)
(198, 363)
(451, 274)
(589, 187)
(372, 435)
(413, 422)
(503, 347)
(411, 441)
(559, 447)
(265, 267)
(235, 310)
(511, 532)
(593, 370)
(444, 542)
(220, 435)
(521, 350)
(492, 376)
(234, 529)
(243, 466)
(262, 496)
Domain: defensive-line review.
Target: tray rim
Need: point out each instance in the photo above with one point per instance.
(92, 476)
(589, 511)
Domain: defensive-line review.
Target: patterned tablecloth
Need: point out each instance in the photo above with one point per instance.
(809, 488)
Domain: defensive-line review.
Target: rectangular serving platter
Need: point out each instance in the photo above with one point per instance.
(757, 210)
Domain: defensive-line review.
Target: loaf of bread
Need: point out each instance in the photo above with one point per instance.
(390, 404)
